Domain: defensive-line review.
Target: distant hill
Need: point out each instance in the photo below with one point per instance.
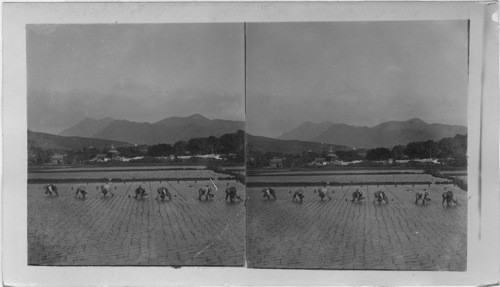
(88, 127)
(168, 130)
(61, 143)
(265, 144)
(195, 119)
(387, 134)
(306, 131)
(146, 133)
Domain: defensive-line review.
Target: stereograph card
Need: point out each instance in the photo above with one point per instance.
(245, 143)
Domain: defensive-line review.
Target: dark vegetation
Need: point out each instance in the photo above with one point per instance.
(231, 146)
(451, 152)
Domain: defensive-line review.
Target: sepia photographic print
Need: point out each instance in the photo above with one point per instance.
(242, 144)
(357, 157)
(136, 145)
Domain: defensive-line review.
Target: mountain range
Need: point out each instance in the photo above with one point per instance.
(307, 136)
(168, 130)
(387, 134)
(88, 127)
(266, 144)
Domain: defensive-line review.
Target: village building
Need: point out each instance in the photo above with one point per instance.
(332, 158)
(100, 158)
(320, 161)
(276, 162)
(113, 153)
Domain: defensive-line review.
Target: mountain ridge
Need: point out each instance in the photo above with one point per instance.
(168, 130)
(305, 131)
(176, 121)
(387, 134)
(88, 127)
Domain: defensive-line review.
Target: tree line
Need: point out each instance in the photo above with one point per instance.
(232, 145)
(452, 151)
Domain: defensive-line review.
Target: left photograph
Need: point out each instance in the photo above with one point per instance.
(136, 144)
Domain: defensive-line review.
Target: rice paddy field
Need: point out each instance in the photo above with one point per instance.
(333, 233)
(120, 230)
(239, 170)
(339, 234)
(462, 175)
(343, 178)
(125, 174)
(322, 171)
(76, 169)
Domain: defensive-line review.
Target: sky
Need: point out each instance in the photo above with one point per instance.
(137, 72)
(358, 73)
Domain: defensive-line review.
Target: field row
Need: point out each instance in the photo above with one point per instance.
(347, 178)
(461, 177)
(128, 167)
(332, 171)
(152, 174)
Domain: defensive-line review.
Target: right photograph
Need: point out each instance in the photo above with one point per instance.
(356, 145)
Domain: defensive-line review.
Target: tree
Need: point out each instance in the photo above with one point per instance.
(229, 143)
(378, 154)
(416, 150)
(427, 149)
(453, 147)
(194, 146)
(160, 150)
(456, 149)
(83, 155)
(310, 156)
(349, 155)
(258, 159)
(129, 151)
(398, 152)
(214, 144)
(38, 155)
(180, 148)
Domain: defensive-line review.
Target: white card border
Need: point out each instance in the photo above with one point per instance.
(483, 263)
